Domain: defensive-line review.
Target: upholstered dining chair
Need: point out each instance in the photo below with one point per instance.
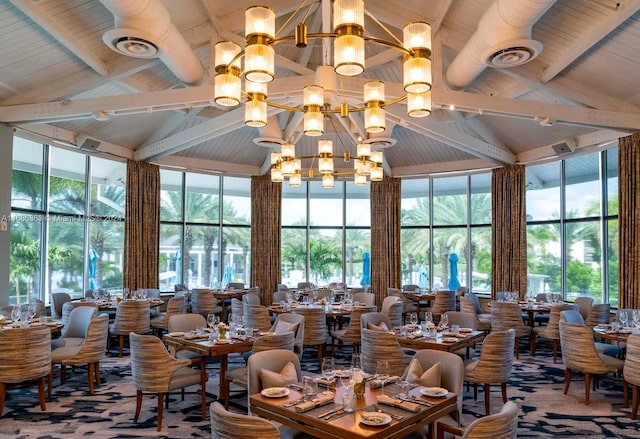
(463, 320)
(599, 314)
(451, 377)
(574, 316)
(579, 354)
(364, 298)
(502, 425)
(551, 331)
(131, 316)
(392, 308)
(410, 287)
(237, 308)
(374, 320)
(74, 332)
(251, 299)
(279, 296)
(445, 301)
(203, 302)
(68, 307)
(228, 425)
(156, 372)
(291, 322)
(493, 366)
(315, 328)
(90, 352)
(352, 332)
(584, 304)
(631, 373)
(303, 285)
(238, 375)
(378, 345)
(408, 305)
(256, 317)
(274, 361)
(59, 298)
(26, 358)
(160, 322)
(235, 285)
(468, 305)
(507, 315)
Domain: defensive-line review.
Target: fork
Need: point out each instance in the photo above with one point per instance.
(393, 415)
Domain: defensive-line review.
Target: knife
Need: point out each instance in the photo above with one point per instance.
(418, 401)
(329, 413)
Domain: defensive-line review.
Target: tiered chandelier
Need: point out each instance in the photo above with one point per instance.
(348, 60)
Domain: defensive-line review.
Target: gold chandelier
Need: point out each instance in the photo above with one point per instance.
(349, 60)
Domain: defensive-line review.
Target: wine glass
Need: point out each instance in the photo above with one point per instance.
(636, 318)
(328, 369)
(382, 371)
(622, 316)
(428, 317)
(444, 321)
(413, 318)
(212, 320)
(15, 313)
(31, 311)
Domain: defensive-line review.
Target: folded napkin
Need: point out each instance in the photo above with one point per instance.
(455, 334)
(327, 383)
(194, 336)
(404, 405)
(320, 399)
(375, 383)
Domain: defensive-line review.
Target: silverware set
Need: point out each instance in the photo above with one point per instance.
(327, 416)
(417, 400)
(293, 402)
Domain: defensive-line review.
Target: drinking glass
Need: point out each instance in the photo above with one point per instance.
(355, 361)
(15, 313)
(31, 311)
(428, 317)
(212, 320)
(382, 371)
(328, 371)
(413, 318)
(622, 316)
(444, 321)
(636, 318)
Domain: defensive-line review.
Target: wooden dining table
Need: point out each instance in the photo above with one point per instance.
(349, 425)
(443, 342)
(337, 312)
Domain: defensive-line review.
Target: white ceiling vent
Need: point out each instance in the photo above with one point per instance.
(380, 142)
(512, 53)
(268, 142)
(131, 42)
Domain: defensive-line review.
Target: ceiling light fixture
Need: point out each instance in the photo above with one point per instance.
(348, 60)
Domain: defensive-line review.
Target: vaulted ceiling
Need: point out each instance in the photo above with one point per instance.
(579, 91)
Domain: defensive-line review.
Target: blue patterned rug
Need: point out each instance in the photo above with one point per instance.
(536, 386)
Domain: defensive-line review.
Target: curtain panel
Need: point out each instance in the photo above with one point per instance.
(386, 269)
(509, 230)
(629, 221)
(265, 235)
(142, 226)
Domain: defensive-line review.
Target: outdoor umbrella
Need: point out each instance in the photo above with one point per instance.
(366, 269)
(423, 280)
(227, 276)
(93, 268)
(454, 283)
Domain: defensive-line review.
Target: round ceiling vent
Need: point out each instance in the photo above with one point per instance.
(380, 142)
(512, 53)
(268, 142)
(132, 42)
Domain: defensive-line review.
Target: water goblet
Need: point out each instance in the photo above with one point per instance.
(413, 318)
(622, 316)
(15, 313)
(328, 369)
(31, 311)
(428, 317)
(382, 371)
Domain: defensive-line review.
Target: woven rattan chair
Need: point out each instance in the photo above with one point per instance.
(89, 353)
(59, 298)
(363, 298)
(408, 305)
(256, 317)
(250, 299)
(26, 357)
(68, 307)
(160, 322)
(392, 308)
(507, 315)
(579, 354)
(551, 330)
(75, 332)
(598, 314)
(292, 319)
(493, 366)
(374, 318)
(468, 305)
(131, 316)
(156, 372)
(203, 302)
(631, 373)
(445, 301)
(378, 345)
(584, 304)
(352, 332)
(238, 375)
(228, 425)
(315, 328)
(502, 425)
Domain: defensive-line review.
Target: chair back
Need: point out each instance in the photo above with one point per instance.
(292, 319)
(410, 287)
(599, 314)
(237, 307)
(283, 287)
(186, 322)
(58, 298)
(274, 341)
(578, 349)
(496, 357)
(256, 317)
(407, 304)
(352, 333)
(375, 318)
(502, 425)
(392, 308)
(228, 425)
(584, 304)
(365, 298)
(251, 299)
(315, 325)
(25, 353)
(476, 302)
(571, 316)
(68, 307)
(467, 305)
(303, 285)
(174, 306)
(378, 345)
(445, 301)
(274, 360)
(79, 320)
(279, 296)
(235, 285)
(462, 319)
(131, 316)
(507, 315)
(95, 343)
(552, 329)
(631, 371)
(203, 302)
(462, 291)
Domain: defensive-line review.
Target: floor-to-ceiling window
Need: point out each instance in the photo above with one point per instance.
(446, 229)
(326, 233)
(205, 230)
(67, 226)
(572, 227)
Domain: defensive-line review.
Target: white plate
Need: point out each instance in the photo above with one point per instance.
(275, 392)
(466, 330)
(375, 419)
(449, 339)
(434, 391)
(176, 334)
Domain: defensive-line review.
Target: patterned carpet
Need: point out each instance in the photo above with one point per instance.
(536, 386)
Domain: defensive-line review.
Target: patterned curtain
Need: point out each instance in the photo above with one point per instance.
(265, 235)
(509, 230)
(629, 219)
(142, 226)
(386, 269)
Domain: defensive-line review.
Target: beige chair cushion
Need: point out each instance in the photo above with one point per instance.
(287, 375)
(380, 327)
(428, 378)
(282, 327)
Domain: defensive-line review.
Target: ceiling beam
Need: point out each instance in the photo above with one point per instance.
(594, 139)
(603, 28)
(57, 31)
(206, 166)
(439, 168)
(556, 113)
